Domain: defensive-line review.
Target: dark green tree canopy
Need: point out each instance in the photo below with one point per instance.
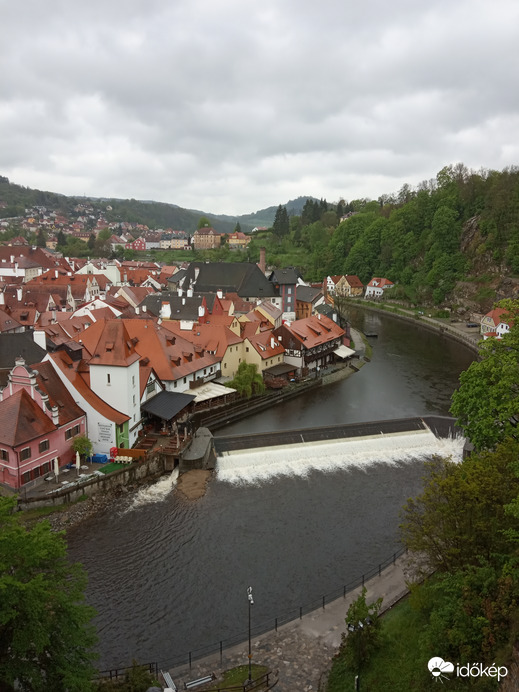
(46, 636)
(486, 403)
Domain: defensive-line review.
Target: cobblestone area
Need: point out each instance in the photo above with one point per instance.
(301, 661)
(302, 651)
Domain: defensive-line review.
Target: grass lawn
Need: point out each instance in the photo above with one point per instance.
(108, 468)
(398, 666)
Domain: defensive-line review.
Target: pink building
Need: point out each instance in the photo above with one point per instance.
(39, 422)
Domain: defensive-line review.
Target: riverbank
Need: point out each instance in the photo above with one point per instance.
(456, 330)
(302, 650)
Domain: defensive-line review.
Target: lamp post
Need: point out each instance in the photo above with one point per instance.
(251, 603)
(358, 627)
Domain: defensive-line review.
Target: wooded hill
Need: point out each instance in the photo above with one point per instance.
(461, 226)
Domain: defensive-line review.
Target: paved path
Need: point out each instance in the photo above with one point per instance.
(302, 651)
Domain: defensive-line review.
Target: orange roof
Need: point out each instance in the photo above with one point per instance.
(211, 337)
(109, 344)
(497, 316)
(22, 419)
(266, 344)
(315, 330)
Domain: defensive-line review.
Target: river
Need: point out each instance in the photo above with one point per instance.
(168, 576)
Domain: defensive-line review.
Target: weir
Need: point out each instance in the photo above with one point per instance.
(259, 457)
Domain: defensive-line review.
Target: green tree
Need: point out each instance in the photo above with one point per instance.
(247, 380)
(487, 400)
(363, 636)
(461, 516)
(82, 445)
(91, 242)
(46, 635)
(237, 228)
(203, 221)
(61, 238)
(281, 225)
(40, 238)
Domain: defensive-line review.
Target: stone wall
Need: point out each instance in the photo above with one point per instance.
(136, 474)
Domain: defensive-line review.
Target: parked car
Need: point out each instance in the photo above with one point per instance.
(472, 325)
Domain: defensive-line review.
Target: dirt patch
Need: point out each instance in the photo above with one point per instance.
(193, 483)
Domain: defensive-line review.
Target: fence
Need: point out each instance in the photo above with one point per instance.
(270, 625)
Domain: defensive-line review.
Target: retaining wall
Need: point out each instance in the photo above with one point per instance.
(150, 469)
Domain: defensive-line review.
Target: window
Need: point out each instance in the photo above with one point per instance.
(26, 477)
(4, 455)
(134, 399)
(71, 432)
(46, 467)
(25, 454)
(175, 385)
(43, 446)
(108, 378)
(289, 290)
(133, 380)
(184, 380)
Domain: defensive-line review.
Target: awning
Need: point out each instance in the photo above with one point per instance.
(344, 352)
(167, 405)
(210, 390)
(280, 369)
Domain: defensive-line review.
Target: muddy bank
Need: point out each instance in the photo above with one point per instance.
(193, 484)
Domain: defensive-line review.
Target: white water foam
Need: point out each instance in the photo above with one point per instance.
(156, 492)
(263, 464)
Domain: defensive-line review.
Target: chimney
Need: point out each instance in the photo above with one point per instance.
(165, 311)
(262, 262)
(12, 259)
(189, 292)
(219, 293)
(137, 310)
(55, 415)
(201, 314)
(2, 298)
(183, 301)
(19, 294)
(179, 292)
(55, 273)
(272, 343)
(145, 308)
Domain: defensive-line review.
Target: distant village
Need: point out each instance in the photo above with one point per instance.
(108, 348)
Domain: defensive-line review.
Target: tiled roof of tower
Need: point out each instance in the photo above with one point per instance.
(109, 343)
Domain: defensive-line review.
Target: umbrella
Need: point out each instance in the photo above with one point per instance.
(56, 467)
(78, 461)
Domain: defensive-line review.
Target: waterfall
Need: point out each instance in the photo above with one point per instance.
(263, 464)
(156, 492)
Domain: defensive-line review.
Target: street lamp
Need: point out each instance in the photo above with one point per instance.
(251, 603)
(358, 627)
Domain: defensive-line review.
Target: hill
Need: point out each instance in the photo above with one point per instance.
(15, 199)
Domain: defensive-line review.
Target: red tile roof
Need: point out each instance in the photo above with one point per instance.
(22, 420)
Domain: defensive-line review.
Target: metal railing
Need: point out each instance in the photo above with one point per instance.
(273, 624)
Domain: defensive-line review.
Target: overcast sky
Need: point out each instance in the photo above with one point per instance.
(230, 106)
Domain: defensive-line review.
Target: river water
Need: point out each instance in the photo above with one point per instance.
(169, 576)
